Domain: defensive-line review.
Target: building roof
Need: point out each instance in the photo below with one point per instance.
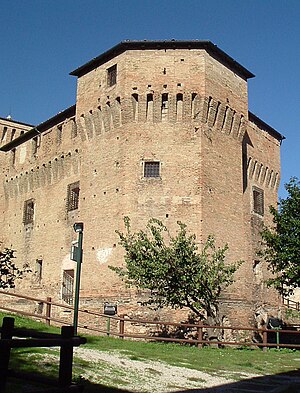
(123, 46)
(16, 122)
(58, 118)
(264, 126)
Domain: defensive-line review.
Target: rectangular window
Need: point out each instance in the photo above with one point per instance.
(73, 196)
(258, 201)
(68, 286)
(112, 75)
(28, 211)
(151, 169)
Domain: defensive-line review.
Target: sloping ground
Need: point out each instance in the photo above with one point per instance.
(128, 372)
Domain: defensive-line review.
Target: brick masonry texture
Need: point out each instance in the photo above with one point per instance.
(183, 108)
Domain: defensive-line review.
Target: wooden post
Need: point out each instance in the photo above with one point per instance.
(121, 326)
(66, 357)
(48, 310)
(7, 333)
(200, 336)
(265, 340)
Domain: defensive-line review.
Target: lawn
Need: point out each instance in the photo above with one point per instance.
(227, 361)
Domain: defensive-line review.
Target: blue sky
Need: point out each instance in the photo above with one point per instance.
(42, 41)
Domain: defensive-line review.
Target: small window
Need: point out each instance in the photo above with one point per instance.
(68, 286)
(151, 169)
(112, 75)
(258, 201)
(28, 211)
(73, 196)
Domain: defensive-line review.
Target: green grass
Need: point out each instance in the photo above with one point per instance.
(206, 359)
(229, 362)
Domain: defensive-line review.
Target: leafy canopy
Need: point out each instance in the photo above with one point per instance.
(173, 270)
(282, 241)
(9, 272)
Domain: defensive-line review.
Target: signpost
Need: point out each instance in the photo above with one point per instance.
(76, 255)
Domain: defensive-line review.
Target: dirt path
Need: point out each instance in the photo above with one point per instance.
(147, 376)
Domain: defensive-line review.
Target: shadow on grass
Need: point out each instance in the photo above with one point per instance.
(278, 383)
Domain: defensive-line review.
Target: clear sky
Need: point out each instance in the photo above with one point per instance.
(43, 40)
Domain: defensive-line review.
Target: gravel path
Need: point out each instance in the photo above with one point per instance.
(146, 376)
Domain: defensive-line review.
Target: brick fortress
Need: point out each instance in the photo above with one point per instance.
(160, 129)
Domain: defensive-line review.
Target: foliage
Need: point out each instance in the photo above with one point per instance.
(173, 270)
(9, 272)
(282, 241)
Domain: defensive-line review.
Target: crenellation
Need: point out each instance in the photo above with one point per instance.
(212, 112)
(262, 174)
(157, 106)
(229, 121)
(135, 106)
(150, 107)
(236, 125)
(73, 128)
(179, 107)
(81, 128)
(43, 175)
(89, 124)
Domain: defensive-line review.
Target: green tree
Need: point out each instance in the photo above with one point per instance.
(282, 241)
(172, 269)
(9, 272)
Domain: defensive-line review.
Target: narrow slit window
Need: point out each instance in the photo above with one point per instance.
(152, 169)
(179, 106)
(164, 106)
(193, 109)
(68, 286)
(149, 109)
(258, 201)
(135, 103)
(28, 215)
(112, 75)
(73, 196)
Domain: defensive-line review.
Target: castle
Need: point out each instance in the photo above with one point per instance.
(160, 129)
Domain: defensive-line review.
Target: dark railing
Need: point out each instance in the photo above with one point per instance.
(195, 334)
(12, 337)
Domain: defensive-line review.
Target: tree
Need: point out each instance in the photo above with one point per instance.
(172, 269)
(282, 241)
(9, 272)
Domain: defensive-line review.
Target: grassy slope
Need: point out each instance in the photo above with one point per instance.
(207, 359)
